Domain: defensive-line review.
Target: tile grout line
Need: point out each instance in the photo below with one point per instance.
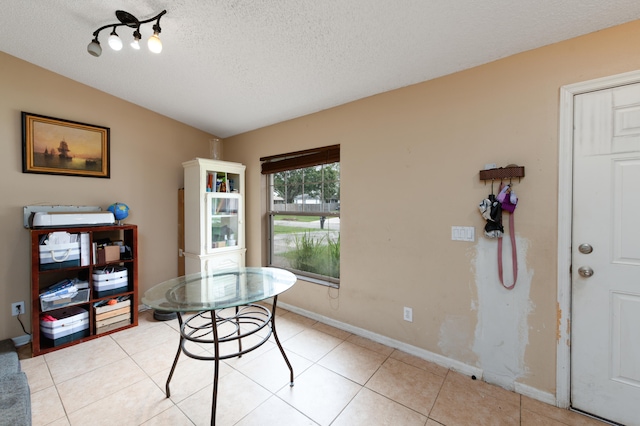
(435, 401)
(313, 363)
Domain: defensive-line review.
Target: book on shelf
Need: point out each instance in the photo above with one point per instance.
(85, 249)
(94, 252)
(59, 287)
(211, 181)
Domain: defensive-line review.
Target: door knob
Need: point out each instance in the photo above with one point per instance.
(585, 271)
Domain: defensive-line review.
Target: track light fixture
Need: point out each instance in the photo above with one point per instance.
(127, 19)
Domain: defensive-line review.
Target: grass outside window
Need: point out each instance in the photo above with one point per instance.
(304, 222)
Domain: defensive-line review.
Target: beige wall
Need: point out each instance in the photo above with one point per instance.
(147, 150)
(410, 160)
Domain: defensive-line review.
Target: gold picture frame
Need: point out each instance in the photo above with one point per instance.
(62, 147)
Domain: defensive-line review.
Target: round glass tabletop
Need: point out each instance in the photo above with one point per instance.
(215, 290)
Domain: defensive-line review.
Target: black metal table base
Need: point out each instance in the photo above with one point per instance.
(220, 327)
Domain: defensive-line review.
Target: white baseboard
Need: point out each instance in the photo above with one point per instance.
(443, 361)
(534, 393)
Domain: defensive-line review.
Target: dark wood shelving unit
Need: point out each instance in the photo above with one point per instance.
(41, 279)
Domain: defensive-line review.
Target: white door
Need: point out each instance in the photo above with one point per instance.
(605, 323)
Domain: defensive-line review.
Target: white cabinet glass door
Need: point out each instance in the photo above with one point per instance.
(223, 221)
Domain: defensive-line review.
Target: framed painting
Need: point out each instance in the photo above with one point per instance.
(61, 147)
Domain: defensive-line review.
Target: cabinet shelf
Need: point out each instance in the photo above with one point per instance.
(111, 263)
(85, 267)
(79, 319)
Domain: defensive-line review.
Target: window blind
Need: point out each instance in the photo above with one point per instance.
(300, 159)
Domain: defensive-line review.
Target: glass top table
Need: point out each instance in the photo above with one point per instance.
(223, 309)
(221, 289)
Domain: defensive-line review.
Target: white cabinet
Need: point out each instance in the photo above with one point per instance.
(213, 215)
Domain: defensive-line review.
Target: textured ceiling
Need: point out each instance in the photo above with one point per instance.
(230, 66)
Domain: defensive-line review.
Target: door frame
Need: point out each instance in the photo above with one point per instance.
(565, 219)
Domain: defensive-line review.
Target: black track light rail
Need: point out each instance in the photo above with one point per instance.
(127, 19)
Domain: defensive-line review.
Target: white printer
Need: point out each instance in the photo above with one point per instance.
(62, 219)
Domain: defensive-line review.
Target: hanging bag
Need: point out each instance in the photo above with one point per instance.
(508, 201)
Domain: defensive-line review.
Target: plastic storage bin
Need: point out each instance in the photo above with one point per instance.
(81, 297)
(70, 324)
(58, 256)
(110, 278)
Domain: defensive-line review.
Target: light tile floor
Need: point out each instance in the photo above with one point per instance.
(341, 380)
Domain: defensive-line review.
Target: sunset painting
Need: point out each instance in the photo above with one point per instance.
(56, 146)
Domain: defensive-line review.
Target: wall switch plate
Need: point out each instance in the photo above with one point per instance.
(408, 314)
(463, 233)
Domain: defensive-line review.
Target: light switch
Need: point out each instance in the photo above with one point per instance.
(463, 233)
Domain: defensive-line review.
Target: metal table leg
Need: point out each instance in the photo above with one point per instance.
(216, 361)
(275, 336)
(175, 361)
(253, 317)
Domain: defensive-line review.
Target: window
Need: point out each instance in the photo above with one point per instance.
(304, 213)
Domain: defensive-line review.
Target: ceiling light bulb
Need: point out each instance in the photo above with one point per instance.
(136, 40)
(114, 41)
(154, 43)
(94, 48)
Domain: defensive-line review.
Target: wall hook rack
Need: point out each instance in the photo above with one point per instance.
(501, 173)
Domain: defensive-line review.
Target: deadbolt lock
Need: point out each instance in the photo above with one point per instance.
(585, 248)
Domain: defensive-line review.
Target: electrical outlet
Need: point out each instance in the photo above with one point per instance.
(17, 308)
(408, 314)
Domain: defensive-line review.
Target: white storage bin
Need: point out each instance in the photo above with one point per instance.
(110, 278)
(68, 321)
(53, 256)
